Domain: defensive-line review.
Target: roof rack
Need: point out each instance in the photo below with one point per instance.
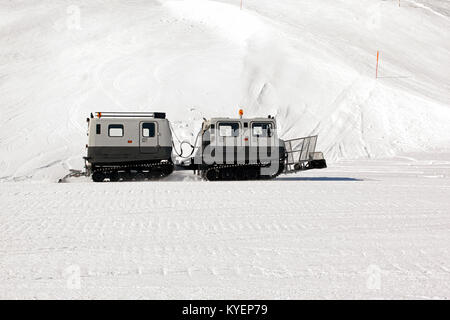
(156, 115)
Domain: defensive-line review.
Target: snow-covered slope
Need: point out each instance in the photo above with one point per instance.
(310, 63)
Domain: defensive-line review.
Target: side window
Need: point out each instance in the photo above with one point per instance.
(148, 130)
(98, 128)
(229, 129)
(115, 130)
(262, 129)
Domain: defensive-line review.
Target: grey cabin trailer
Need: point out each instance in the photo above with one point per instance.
(129, 146)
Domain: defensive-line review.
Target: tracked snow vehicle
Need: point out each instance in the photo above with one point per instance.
(241, 149)
(129, 146)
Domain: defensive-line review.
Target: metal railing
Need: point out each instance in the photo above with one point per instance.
(299, 151)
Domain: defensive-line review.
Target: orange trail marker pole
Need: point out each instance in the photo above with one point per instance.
(241, 4)
(376, 72)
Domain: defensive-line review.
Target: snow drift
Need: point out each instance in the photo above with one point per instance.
(310, 63)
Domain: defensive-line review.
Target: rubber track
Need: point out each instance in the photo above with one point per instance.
(144, 166)
(250, 166)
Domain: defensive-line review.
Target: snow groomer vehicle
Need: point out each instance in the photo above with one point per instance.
(128, 146)
(249, 149)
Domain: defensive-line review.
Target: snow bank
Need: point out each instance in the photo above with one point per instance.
(227, 20)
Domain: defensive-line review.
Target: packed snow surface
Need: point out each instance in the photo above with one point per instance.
(309, 63)
(366, 229)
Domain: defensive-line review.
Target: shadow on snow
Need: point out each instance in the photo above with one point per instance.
(317, 179)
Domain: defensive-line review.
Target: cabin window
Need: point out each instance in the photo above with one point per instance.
(229, 129)
(148, 130)
(98, 128)
(262, 129)
(115, 130)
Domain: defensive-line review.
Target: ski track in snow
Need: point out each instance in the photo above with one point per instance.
(313, 235)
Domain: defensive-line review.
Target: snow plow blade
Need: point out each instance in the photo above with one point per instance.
(301, 155)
